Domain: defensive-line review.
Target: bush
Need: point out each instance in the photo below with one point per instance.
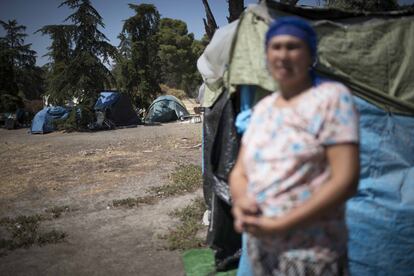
(179, 94)
(79, 118)
(10, 103)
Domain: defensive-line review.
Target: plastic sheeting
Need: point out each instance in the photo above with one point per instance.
(213, 62)
(380, 217)
(221, 145)
(106, 99)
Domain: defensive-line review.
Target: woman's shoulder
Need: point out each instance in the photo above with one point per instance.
(332, 90)
(332, 87)
(265, 102)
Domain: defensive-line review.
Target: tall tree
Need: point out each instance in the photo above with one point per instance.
(175, 52)
(60, 53)
(19, 77)
(9, 99)
(20, 53)
(85, 74)
(139, 68)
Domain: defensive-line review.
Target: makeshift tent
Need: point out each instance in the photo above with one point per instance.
(43, 120)
(166, 109)
(372, 53)
(117, 108)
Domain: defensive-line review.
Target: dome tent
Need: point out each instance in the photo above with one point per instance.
(117, 108)
(43, 120)
(166, 108)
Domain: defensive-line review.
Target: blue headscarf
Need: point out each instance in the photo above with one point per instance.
(297, 27)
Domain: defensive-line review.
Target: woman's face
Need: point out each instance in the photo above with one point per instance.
(288, 59)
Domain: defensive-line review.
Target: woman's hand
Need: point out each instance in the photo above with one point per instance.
(244, 206)
(261, 226)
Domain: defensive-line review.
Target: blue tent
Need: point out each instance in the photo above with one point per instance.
(117, 108)
(43, 120)
(166, 109)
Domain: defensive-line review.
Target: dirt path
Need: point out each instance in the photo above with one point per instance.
(87, 171)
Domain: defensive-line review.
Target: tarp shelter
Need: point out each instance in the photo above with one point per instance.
(373, 54)
(166, 108)
(43, 120)
(117, 108)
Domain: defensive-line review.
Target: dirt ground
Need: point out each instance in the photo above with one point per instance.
(87, 171)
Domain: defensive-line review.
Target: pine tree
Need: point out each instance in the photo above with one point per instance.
(19, 77)
(138, 70)
(79, 52)
(60, 54)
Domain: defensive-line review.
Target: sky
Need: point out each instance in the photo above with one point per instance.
(35, 14)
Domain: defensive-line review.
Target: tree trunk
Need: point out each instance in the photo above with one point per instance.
(210, 24)
(236, 7)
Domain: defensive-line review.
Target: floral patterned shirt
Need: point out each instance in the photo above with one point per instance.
(285, 158)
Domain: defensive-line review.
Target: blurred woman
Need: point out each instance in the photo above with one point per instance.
(298, 164)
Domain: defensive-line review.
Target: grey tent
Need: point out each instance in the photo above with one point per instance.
(166, 109)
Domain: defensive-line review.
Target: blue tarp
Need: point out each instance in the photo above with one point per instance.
(43, 120)
(380, 217)
(106, 99)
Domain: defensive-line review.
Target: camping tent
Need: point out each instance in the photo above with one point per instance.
(43, 120)
(166, 109)
(373, 55)
(117, 108)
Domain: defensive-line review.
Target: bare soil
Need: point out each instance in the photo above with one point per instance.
(87, 171)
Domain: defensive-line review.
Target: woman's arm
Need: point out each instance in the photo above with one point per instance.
(242, 204)
(343, 160)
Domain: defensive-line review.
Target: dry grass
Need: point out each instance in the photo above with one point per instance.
(178, 93)
(185, 179)
(23, 231)
(184, 236)
(131, 202)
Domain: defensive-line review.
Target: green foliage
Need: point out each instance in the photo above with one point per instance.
(21, 55)
(185, 179)
(156, 51)
(363, 5)
(179, 53)
(10, 103)
(79, 118)
(60, 52)
(178, 93)
(19, 77)
(135, 201)
(184, 236)
(138, 69)
(79, 52)
(23, 231)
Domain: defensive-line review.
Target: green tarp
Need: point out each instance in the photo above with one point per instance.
(372, 53)
(200, 262)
